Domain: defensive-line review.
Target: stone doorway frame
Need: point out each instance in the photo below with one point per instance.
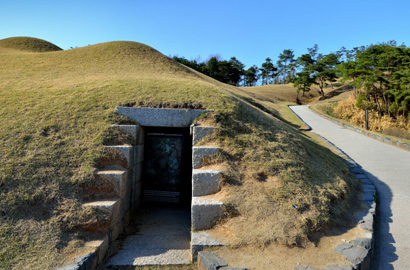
(204, 211)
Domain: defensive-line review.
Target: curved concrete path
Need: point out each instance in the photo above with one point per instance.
(389, 169)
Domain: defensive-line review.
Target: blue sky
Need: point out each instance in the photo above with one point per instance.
(249, 30)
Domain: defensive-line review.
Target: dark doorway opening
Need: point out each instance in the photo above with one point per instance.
(167, 170)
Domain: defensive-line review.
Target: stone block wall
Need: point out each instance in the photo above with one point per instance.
(205, 211)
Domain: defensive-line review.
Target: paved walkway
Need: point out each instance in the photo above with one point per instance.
(163, 238)
(389, 169)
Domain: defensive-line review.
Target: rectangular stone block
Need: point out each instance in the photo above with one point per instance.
(205, 182)
(119, 180)
(204, 213)
(138, 154)
(155, 117)
(209, 261)
(127, 151)
(140, 136)
(201, 240)
(125, 203)
(137, 191)
(109, 207)
(200, 132)
(137, 173)
(132, 130)
(100, 245)
(199, 153)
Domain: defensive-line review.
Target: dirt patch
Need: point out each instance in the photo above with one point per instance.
(317, 252)
(276, 256)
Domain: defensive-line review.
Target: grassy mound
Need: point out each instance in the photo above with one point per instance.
(28, 44)
(56, 106)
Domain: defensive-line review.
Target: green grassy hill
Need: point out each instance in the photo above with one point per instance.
(56, 106)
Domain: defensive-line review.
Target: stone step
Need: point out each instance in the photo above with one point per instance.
(107, 206)
(200, 132)
(127, 152)
(205, 212)
(108, 211)
(200, 241)
(110, 183)
(100, 247)
(96, 250)
(199, 153)
(205, 182)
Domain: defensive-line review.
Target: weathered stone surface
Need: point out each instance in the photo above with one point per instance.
(138, 154)
(125, 202)
(140, 135)
(153, 117)
(110, 207)
(118, 179)
(107, 206)
(198, 153)
(205, 182)
(354, 255)
(136, 195)
(209, 261)
(372, 208)
(69, 267)
(87, 262)
(362, 242)
(369, 188)
(367, 196)
(137, 173)
(304, 267)
(236, 269)
(132, 130)
(356, 170)
(367, 225)
(200, 133)
(338, 267)
(204, 212)
(127, 151)
(361, 176)
(200, 240)
(100, 246)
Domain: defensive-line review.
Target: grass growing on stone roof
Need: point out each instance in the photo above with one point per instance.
(55, 106)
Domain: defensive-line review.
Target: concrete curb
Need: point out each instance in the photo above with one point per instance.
(309, 128)
(359, 251)
(358, 130)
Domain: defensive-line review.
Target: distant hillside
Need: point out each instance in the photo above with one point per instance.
(28, 44)
(56, 107)
(279, 92)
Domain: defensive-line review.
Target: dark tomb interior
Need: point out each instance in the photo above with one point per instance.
(167, 170)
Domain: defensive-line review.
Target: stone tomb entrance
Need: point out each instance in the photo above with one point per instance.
(167, 169)
(168, 188)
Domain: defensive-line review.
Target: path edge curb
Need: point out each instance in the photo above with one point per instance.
(309, 128)
(369, 193)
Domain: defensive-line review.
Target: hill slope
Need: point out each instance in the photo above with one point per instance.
(56, 105)
(28, 44)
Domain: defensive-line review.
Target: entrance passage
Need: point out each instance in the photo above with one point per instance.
(163, 238)
(167, 166)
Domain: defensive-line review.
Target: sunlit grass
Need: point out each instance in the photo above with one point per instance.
(55, 106)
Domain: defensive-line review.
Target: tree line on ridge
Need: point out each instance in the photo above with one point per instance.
(379, 73)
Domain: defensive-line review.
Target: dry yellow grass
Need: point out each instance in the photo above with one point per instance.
(55, 106)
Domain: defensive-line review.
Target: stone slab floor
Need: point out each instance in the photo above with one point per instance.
(163, 238)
